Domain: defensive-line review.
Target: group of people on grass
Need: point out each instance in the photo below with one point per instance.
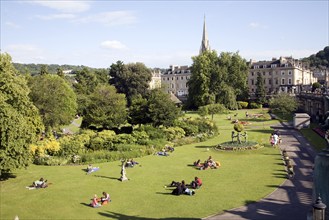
(131, 163)
(209, 163)
(91, 169)
(98, 202)
(182, 188)
(165, 151)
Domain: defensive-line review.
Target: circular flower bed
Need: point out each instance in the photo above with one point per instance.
(235, 146)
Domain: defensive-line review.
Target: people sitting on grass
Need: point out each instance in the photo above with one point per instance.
(105, 198)
(95, 202)
(196, 183)
(131, 163)
(209, 163)
(91, 169)
(168, 148)
(186, 190)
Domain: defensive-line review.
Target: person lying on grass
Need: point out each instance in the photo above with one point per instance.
(131, 163)
(38, 184)
(91, 169)
(181, 188)
(95, 202)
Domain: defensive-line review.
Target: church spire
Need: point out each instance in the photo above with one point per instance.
(205, 42)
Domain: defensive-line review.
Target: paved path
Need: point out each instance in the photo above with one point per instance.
(293, 199)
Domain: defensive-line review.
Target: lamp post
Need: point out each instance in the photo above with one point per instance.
(319, 210)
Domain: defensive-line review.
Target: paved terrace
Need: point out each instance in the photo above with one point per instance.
(293, 199)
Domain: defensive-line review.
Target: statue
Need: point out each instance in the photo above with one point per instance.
(123, 171)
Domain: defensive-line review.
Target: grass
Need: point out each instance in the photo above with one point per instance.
(243, 177)
(315, 139)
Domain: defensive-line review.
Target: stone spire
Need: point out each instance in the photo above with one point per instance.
(205, 42)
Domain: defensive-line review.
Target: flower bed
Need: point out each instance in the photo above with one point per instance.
(319, 131)
(235, 146)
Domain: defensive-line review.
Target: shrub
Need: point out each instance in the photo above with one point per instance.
(238, 127)
(254, 105)
(173, 133)
(242, 104)
(189, 128)
(152, 132)
(141, 137)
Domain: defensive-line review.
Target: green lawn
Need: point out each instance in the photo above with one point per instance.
(243, 177)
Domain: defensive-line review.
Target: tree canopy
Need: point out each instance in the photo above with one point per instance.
(131, 79)
(283, 103)
(217, 79)
(54, 98)
(260, 90)
(20, 122)
(157, 109)
(107, 109)
(320, 59)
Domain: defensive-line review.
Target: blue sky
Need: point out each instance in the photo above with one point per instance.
(159, 33)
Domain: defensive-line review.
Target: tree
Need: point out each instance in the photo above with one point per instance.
(131, 79)
(157, 108)
(44, 70)
(20, 122)
(54, 98)
(283, 103)
(107, 109)
(161, 110)
(315, 86)
(60, 72)
(138, 110)
(260, 90)
(211, 109)
(217, 79)
(86, 82)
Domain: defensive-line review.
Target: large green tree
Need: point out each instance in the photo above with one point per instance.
(217, 79)
(20, 122)
(54, 98)
(107, 109)
(260, 90)
(157, 109)
(131, 79)
(283, 103)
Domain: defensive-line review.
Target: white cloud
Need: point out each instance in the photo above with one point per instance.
(113, 44)
(70, 6)
(56, 16)
(256, 25)
(25, 53)
(12, 24)
(109, 18)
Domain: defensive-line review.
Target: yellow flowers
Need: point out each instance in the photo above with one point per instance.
(45, 147)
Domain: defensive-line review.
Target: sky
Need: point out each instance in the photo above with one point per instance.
(159, 33)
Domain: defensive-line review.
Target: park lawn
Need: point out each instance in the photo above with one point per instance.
(244, 177)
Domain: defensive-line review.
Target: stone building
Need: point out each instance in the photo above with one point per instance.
(156, 79)
(280, 75)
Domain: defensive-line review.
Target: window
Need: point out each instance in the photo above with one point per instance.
(164, 79)
(187, 77)
(282, 73)
(289, 81)
(270, 81)
(252, 90)
(172, 86)
(273, 65)
(177, 77)
(168, 78)
(252, 73)
(264, 66)
(256, 67)
(263, 73)
(172, 78)
(289, 73)
(181, 78)
(252, 82)
(282, 81)
(286, 65)
(276, 81)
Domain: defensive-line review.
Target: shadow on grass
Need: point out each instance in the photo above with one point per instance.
(6, 176)
(114, 215)
(280, 175)
(166, 193)
(107, 177)
(85, 204)
(247, 202)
